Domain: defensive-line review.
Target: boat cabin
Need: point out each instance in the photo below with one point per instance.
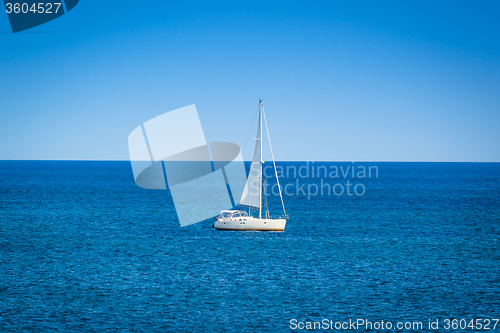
(232, 215)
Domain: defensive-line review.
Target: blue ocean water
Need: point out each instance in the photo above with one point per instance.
(82, 248)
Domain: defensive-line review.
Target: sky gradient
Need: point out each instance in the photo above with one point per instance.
(341, 80)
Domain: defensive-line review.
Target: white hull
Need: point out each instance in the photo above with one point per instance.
(251, 224)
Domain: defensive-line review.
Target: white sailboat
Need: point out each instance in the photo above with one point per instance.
(252, 195)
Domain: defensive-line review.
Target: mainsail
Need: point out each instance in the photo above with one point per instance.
(252, 193)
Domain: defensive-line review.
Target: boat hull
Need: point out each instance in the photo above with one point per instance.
(251, 225)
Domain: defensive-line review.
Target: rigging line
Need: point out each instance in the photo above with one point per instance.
(274, 163)
(270, 202)
(249, 138)
(265, 197)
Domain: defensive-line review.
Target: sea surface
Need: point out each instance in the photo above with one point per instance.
(83, 249)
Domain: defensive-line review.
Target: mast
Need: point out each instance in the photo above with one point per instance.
(261, 161)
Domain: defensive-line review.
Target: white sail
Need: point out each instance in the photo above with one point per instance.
(251, 194)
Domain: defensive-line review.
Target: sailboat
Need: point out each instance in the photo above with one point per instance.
(252, 197)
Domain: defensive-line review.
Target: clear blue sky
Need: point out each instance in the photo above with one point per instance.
(341, 80)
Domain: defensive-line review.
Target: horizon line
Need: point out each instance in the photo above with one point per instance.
(313, 161)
